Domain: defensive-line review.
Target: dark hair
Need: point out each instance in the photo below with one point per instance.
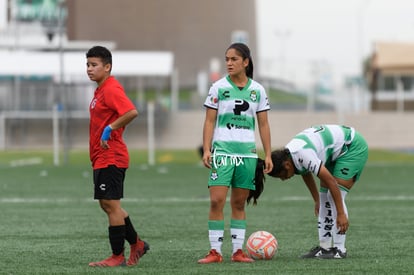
(244, 51)
(278, 158)
(101, 52)
(258, 182)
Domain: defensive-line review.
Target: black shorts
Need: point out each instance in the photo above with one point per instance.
(109, 183)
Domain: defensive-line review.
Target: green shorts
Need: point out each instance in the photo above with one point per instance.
(351, 163)
(233, 171)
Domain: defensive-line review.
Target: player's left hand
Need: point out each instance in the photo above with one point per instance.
(268, 167)
(104, 144)
(106, 135)
(207, 159)
(342, 223)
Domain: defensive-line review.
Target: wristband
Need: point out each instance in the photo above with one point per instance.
(106, 134)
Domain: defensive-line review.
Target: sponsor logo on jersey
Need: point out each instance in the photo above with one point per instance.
(240, 106)
(239, 118)
(345, 171)
(235, 126)
(267, 102)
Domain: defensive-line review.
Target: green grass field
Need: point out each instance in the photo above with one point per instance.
(51, 225)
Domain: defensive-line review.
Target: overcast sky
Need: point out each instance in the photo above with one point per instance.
(297, 38)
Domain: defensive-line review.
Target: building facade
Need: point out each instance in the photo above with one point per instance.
(196, 31)
(390, 76)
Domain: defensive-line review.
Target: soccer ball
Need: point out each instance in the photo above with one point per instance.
(261, 245)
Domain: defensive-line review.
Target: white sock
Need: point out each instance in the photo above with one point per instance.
(237, 238)
(216, 239)
(325, 221)
(339, 239)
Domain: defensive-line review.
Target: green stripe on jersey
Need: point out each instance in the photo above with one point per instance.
(308, 142)
(237, 122)
(328, 140)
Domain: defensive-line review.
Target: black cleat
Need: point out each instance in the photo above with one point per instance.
(334, 253)
(317, 252)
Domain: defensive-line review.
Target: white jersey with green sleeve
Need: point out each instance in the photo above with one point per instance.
(234, 133)
(319, 145)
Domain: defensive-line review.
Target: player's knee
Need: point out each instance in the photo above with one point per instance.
(217, 204)
(348, 184)
(108, 207)
(238, 205)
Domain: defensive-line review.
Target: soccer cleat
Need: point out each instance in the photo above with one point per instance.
(316, 252)
(335, 253)
(114, 260)
(137, 251)
(240, 257)
(212, 257)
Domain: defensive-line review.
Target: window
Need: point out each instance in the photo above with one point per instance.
(389, 83)
(407, 82)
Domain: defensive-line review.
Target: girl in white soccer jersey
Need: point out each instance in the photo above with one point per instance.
(336, 155)
(229, 149)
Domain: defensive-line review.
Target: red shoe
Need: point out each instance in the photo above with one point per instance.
(114, 260)
(137, 251)
(212, 257)
(240, 257)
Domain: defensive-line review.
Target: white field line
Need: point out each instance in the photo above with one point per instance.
(26, 162)
(195, 200)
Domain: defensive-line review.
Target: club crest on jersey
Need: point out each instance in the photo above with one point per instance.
(253, 95)
(214, 175)
(93, 103)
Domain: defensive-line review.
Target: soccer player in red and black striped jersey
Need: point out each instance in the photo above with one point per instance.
(110, 112)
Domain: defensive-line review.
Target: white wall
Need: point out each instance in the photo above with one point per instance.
(183, 130)
(388, 130)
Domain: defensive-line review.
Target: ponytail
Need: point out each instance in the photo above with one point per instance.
(258, 182)
(249, 68)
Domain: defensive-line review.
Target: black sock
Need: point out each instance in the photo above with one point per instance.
(117, 238)
(130, 233)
